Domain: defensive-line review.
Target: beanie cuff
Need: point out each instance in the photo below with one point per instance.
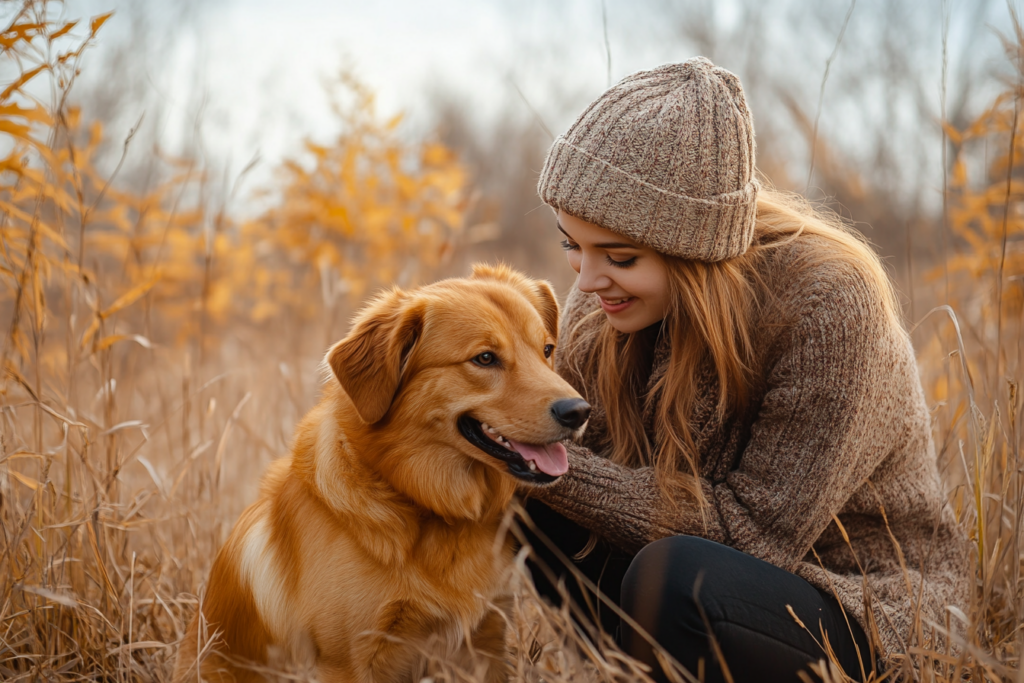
(710, 229)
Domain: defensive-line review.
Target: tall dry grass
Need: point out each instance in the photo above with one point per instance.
(157, 351)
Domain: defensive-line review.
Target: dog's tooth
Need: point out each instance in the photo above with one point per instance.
(486, 427)
(533, 465)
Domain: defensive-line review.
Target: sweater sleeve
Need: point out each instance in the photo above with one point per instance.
(819, 432)
(626, 505)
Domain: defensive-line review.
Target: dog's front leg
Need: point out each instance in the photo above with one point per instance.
(485, 656)
(393, 652)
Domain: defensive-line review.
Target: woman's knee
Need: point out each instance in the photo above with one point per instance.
(664, 574)
(672, 566)
(658, 596)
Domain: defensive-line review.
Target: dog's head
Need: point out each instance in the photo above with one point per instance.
(465, 365)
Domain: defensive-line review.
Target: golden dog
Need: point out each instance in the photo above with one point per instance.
(378, 538)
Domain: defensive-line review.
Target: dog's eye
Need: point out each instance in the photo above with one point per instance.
(548, 348)
(486, 358)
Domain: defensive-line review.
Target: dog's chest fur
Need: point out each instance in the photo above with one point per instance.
(322, 585)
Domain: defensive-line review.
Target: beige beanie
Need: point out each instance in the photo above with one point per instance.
(664, 157)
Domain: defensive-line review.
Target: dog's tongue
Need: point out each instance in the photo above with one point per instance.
(550, 458)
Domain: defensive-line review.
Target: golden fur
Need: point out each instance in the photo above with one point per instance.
(378, 537)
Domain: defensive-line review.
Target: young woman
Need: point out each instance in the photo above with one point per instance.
(759, 447)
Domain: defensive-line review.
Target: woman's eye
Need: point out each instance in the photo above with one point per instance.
(486, 358)
(548, 349)
(620, 264)
(569, 246)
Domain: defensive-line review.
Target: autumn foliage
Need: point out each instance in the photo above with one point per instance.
(107, 292)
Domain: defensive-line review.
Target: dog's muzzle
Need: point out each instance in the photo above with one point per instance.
(517, 465)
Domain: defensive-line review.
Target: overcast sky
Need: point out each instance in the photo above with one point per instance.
(256, 68)
(260, 66)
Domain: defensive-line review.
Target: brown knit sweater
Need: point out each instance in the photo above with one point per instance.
(837, 429)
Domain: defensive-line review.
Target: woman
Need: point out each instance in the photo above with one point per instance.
(759, 448)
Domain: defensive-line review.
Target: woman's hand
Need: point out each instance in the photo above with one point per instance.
(628, 506)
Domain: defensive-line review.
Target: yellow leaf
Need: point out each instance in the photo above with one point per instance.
(130, 297)
(27, 481)
(20, 81)
(18, 32)
(37, 114)
(63, 29)
(112, 339)
(97, 22)
(16, 130)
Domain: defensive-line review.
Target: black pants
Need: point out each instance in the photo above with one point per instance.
(743, 598)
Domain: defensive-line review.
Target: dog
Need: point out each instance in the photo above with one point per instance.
(378, 539)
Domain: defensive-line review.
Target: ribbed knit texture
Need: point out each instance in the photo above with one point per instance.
(838, 429)
(664, 157)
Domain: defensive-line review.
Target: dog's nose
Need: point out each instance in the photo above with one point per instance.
(571, 412)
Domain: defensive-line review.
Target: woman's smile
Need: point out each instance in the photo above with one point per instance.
(613, 306)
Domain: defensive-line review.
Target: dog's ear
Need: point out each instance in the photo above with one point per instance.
(547, 305)
(368, 362)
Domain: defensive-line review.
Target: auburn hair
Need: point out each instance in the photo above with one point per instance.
(712, 307)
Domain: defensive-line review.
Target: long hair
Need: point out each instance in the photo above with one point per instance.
(712, 307)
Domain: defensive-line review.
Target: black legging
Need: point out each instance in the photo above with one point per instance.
(744, 600)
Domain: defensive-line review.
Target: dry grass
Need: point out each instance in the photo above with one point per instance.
(157, 353)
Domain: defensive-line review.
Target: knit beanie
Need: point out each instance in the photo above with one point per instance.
(664, 157)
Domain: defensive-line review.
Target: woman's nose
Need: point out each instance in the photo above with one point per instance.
(591, 278)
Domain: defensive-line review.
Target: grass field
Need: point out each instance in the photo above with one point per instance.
(157, 351)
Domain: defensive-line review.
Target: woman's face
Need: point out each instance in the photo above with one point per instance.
(630, 279)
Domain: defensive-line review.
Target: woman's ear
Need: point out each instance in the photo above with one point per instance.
(547, 305)
(368, 362)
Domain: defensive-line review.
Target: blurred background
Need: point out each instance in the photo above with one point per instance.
(195, 196)
(231, 81)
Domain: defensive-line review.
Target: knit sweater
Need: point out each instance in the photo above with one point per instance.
(835, 444)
